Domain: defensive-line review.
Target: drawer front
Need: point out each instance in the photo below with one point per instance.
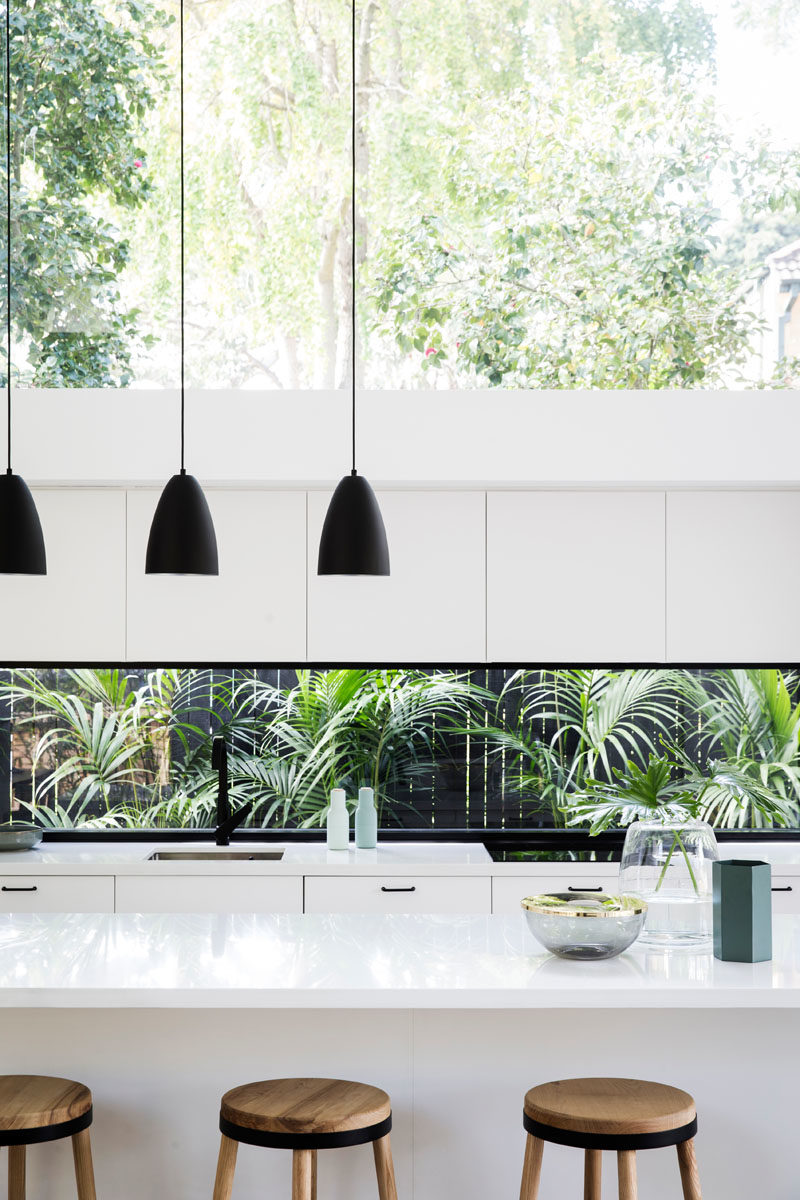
(786, 894)
(507, 891)
(56, 893)
(398, 894)
(209, 893)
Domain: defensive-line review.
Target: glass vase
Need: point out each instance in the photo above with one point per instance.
(668, 863)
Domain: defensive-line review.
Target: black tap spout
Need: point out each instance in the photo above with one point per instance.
(226, 820)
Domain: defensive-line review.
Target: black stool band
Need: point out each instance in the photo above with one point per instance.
(45, 1133)
(305, 1141)
(609, 1141)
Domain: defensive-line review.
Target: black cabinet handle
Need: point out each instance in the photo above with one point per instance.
(413, 888)
(788, 888)
(20, 889)
(583, 889)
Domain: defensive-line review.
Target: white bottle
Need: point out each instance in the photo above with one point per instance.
(366, 820)
(338, 821)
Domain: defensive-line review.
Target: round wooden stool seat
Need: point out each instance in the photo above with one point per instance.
(305, 1114)
(624, 1115)
(610, 1114)
(41, 1108)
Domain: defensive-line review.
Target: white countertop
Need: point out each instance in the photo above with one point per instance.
(349, 961)
(313, 858)
(300, 858)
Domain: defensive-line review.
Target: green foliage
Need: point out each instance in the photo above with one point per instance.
(588, 257)
(559, 728)
(82, 80)
(538, 191)
(575, 746)
(110, 737)
(673, 788)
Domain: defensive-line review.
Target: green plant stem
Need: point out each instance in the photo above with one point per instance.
(676, 841)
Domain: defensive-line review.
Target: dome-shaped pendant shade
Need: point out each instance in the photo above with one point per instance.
(21, 542)
(182, 539)
(353, 538)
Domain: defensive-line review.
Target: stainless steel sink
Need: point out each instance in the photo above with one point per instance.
(215, 855)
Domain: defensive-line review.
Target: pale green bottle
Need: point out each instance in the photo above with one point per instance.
(338, 821)
(366, 820)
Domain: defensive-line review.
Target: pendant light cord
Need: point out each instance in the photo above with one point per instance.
(353, 237)
(183, 273)
(8, 226)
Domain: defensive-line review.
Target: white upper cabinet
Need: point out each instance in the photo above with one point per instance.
(431, 607)
(575, 577)
(253, 611)
(76, 612)
(733, 576)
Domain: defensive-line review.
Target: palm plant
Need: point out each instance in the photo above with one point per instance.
(672, 787)
(747, 718)
(353, 728)
(560, 729)
(105, 732)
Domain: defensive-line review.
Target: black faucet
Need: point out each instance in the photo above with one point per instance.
(226, 820)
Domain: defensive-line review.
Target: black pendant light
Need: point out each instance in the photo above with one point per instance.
(353, 538)
(182, 539)
(21, 541)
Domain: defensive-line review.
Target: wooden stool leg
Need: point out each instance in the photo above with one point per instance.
(226, 1165)
(84, 1172)
(690, 1176)
(626, 1171)
(592, 1174)
(384, 1168)
(313, 1175)
(302, 1174)
(16, 1173)
(531, 1168)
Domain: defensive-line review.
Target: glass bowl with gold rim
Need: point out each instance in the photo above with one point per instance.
(585, 925)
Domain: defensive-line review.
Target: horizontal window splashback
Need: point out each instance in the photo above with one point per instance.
(503, 748)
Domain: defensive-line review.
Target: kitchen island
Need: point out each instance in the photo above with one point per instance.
(454, 1015)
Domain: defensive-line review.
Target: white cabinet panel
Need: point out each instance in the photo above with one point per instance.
(401, 894)
(786, 894)
(57, 893)
(209, 893)
(77, 610)
(733, 576)
(508, 891)
(253, 610)
(575, 576)
(432, 606)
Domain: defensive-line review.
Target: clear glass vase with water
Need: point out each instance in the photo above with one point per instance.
(668, 863)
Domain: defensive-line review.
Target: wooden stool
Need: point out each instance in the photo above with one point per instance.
(625, 1115)
(39, 1108)
(304, 1116)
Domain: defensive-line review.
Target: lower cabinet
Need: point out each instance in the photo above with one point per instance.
(210, 893)
(56, 893)
(509, 890)
(786, 894)
(400, 894)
